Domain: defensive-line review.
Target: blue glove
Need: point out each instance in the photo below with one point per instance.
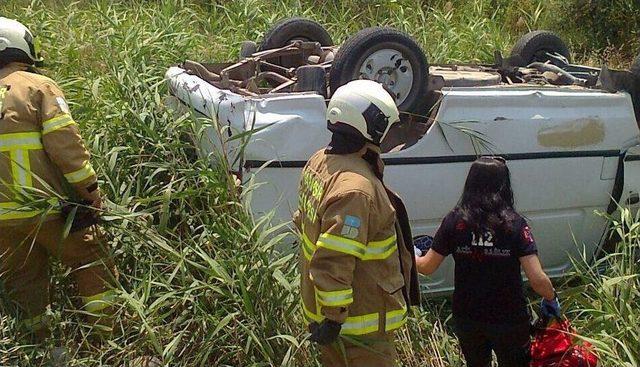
(550, 308)
(422, 245)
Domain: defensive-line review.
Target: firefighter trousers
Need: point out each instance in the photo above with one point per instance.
(24, 267)
(366, 351)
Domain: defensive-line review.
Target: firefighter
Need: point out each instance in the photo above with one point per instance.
(358, 275)
(43, 164)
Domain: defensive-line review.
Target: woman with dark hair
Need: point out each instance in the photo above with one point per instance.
(490, 242)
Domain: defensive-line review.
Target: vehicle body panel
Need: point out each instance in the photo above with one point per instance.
(563, 145)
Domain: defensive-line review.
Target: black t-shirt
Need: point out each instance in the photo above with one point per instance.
(488, 282)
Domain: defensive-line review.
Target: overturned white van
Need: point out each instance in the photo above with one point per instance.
(572, 147)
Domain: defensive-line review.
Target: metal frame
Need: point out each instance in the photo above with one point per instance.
(260, 73)
(266, 72)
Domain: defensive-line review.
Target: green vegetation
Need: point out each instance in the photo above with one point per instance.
(200, 285)
(605, 304)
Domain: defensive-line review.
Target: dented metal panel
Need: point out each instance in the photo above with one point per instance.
(287, 126)
(530, 120)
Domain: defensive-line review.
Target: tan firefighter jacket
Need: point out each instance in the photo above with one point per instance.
(355, 268)
(42, 155)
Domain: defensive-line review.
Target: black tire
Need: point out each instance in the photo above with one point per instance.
(354, 52)
(311, 78)
(531, 45)
(292, 29)
(287, 30)
(247, 48)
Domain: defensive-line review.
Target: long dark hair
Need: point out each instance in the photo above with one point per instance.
(487, 199)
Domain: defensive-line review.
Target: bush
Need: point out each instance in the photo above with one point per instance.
(609, 25)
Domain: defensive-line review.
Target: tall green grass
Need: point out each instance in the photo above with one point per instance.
(606, 303)
(201, 281)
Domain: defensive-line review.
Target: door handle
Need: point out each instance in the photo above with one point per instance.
(633, 199)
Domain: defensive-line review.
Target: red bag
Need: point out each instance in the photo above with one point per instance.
(555, 346)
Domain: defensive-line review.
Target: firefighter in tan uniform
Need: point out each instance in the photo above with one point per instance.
(43, 163)
(357, 272)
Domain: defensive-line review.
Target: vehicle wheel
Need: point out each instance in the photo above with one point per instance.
(294, 29)
(389, 57)
(533, 46)
(247, 48)
(311, 78)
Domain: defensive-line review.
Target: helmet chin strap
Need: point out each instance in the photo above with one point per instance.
(377, 122)
(348, 144)
(342, 143)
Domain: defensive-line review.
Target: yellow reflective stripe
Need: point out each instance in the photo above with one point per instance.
(341, 244)
(18, 146)
(364, 324)
(21, 168)
(384, 243)
(354, 325)
(308, 248)
(395, 319)
(335, 298)
(99, 301)
(56, 123)
(13, 210)
(374, 250)
(309, 316)
(359, 325)
(380, 250)
(80, 175)
(20, 141)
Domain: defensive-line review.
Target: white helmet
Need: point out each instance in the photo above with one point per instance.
(17, 43)
(365, 106)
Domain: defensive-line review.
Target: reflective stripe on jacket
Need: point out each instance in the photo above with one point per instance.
(42, 155)
(350, 265)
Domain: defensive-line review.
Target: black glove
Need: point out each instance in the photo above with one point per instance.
(324, 333)
(83, 215)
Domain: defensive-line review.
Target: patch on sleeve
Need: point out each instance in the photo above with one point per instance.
(62, 104)
(3, 93)
(351, 227)
(527, 235)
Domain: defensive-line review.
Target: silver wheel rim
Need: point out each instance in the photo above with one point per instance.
(389, 68)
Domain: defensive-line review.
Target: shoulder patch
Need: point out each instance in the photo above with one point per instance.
(351, 227)
(352, 221)
(62, 104)
(3, 93)
(526, 234)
